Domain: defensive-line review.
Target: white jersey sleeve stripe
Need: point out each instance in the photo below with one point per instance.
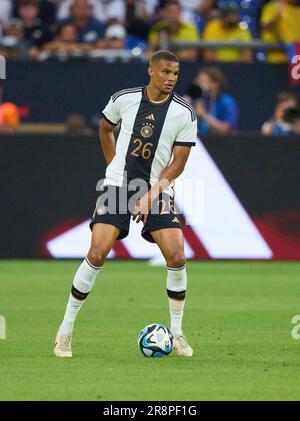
(193, 116)
(125, 91)
(186, 104)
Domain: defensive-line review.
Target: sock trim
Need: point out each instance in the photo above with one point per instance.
(176, 269)
(92, 266)
(80, 296)
(176, 295)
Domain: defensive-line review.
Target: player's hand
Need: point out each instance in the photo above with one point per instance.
(142, 209)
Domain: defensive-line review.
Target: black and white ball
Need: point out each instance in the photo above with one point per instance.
(155, 340)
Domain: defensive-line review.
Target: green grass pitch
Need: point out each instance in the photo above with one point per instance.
(237, 319)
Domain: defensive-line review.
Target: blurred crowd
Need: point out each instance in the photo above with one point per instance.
(38, 28)
(217, 111)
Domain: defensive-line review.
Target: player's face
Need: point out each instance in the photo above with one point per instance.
(164, 75)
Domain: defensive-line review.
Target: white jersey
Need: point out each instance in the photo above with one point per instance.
(148, 133)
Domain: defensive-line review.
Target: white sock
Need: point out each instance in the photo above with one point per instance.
(83, 283)
(176, 314)
(71, 312)
(176, 287)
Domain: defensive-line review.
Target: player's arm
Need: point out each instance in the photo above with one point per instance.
(176, 167)
(111, 117)
(181, 150)
(107, 140)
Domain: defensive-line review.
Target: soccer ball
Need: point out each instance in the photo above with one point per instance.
(155, 340)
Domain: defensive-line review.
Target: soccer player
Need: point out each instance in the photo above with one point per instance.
(157, 131)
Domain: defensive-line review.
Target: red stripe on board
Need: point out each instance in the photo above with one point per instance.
(194, 242)
(281, 230)
(121, 251)
(59, 229)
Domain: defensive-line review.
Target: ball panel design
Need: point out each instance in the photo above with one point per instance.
(155, 340)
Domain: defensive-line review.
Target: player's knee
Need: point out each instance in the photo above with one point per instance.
(96, 256)
(176, 260)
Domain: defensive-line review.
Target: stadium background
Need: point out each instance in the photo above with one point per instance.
(65, 58)
(241, 313)
(85, 87)
(51, 188)
(49, 193)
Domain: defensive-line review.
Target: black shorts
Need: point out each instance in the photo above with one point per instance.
(115, 205)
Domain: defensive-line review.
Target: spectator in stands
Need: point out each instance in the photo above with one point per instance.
(14, 28)
(90, 30)
(103, 10)
(75, 124)
(249, 11)
(9, 115)
(47, 11)
(13, 43)
(280, 22)
(139, 14)
(66, 40)
(227, 28)
(217, 111)
(286, 118)
(115, 37)
(171, 28)
(5, 10)
(292, 117)
(193, 10)
(35, 32)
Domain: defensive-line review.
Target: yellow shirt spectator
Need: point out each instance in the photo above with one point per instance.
(286, 27)
(171, 29)
(186, 31)
(216, 31)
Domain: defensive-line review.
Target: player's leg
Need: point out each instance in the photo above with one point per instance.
(171, 244)
(103, 238)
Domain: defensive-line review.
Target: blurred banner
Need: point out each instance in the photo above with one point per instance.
(85, 87)
(239, 198)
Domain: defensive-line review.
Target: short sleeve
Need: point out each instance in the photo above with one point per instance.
(112, 112)
(188, 134)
